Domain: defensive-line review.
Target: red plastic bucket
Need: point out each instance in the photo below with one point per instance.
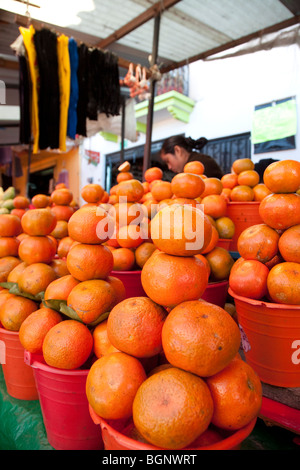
(224, 243)
(114, 439)
(216, 293)
(271, 339)
(64, 406)
(132, 282)
(243, 215)
(18, 376)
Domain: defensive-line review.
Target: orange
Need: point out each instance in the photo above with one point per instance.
(119, 289)
(86, 262)
(187, 185)
(40, 201)
(35, 278)
(15, 310)
(180, 230)
(35, 327)
(18, 212)
(105, 197)
(21, 202)
(153, 173)
(283, 176)
(182, 200)
(7, 265)
(67, 345)
(4, 295)
(150, 207)
(59, 289)
(229, 180)
(284, 283)
(125, 166)
(61, 229)
(249, 279)
(258, 242)
(225, 227)
(212, 186)
(280, 211)
(169, 280)
(260, 192)
(169, 402)
(242, 164)
(102, 345)
(35, 249)
(124, 259)
(162, 190)
(221, 262)
(91, 225)
(9, 246)
(124, 176)
(214, 205)
(132, 189)
(242, 193)
(92, 193)
(143, 253)
(125, 213)
(213, 241)
(112, 383)
(197, 168)
(64, 246)
(38, 222)
(248, 178)
(200, 337)
(14, 274)
(129, 236)
(226, 192)
(61, 197)
(237, 395)
(202, 258)
(90, 299)
(60, 267)
(10, 225)
(289, 244)
(62, 212)
(134, 326)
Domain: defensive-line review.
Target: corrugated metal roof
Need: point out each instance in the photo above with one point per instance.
(188, 28)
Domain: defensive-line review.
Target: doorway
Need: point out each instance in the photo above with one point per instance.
(39, 182)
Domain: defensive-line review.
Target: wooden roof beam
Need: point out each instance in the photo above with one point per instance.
(147, 15)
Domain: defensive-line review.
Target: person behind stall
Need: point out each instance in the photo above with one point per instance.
(178, 150)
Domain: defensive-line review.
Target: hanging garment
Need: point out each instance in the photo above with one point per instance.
(72, 111)
(45, 42)
(96, 59)
(24, 97)
(28, 35)
(82, 74)
(64, 77)
(110, 100)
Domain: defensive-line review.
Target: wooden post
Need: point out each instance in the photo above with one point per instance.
(123, 130)
(147, 152)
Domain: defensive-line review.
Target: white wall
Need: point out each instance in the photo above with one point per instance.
(227, 90)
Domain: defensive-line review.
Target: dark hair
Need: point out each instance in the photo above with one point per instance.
(187, 143)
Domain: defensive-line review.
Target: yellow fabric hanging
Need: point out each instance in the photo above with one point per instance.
(28, 35)
(64, 76)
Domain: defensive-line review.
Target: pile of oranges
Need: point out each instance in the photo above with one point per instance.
(243, 183)
(269, 266)
(169, 362)
(166, 364)
(132, 242)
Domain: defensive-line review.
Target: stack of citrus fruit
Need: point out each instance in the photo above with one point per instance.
(200, 384)
(61, 200)
(243, 183)
(21, 204)
(270, 264)
(10, 229)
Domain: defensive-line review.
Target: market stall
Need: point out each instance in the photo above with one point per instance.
(70, 276)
